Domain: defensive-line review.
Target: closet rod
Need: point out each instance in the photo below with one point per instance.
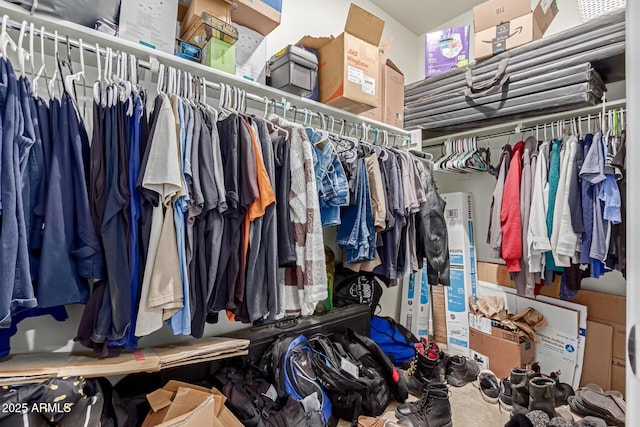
(286, 105)
(525, 125)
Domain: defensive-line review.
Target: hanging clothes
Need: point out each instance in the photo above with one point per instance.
(494, 234)
(305, 285)
(554, 179)
(431, 230)
(510, 218)
(524, 279)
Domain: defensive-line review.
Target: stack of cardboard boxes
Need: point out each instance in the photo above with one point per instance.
(501, 25)
(354, 72)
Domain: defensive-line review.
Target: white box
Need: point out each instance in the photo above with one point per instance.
(251, 55)
(151, 23)
(415, 311)
(462, 270)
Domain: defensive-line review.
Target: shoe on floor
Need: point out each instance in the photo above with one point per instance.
(489, 386)
(606, 406)
(538, 418)
(434, 412)
(519, 420)
(504, 398)
(461, 371)
(406, 409)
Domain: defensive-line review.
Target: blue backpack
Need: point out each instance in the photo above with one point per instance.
(395, 340)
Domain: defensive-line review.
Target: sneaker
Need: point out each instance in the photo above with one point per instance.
(461, 371)
(504, 397)
(489, 386)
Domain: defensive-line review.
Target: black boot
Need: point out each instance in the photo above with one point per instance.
(434, 412)
(406, 409)
(427, 364)
(461, 371)
(414, 384)
(519, 380)
(542, 395)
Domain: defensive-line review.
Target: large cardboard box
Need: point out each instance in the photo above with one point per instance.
(439, 314)
(496, 348)
(513, 33)
(610, 310)
(462, 270)
(260, 15)
(348, 67)
(390, 86)
(149, 22)
(597, 364)
(415, 310)
(494, 12)
(221, 9)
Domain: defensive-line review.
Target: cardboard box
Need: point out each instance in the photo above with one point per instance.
(439, 314)
(260, 15)
(205, 27)
(513, 33)
(390, 86)
(348, 69)
(498, 349)
(415, 311)
(446, 49)
(618, 374)
(499, 274)
(597, 364)
(251, 55)
(462, 270)
(221, 9)
(220, 55)
(149, 22)
(494, 12)
(188, 405)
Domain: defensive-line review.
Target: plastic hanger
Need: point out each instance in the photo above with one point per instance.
(22, 53)
(5, 38)
(97, 86)
(51, 82)
(32, 60)
(43, 68)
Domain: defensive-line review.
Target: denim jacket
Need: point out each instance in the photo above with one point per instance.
(333, 188)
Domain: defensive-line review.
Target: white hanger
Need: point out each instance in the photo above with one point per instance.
(32, 31)
(22, 53)
(51, 83)
(5, 38)
(97, 86)
(160, 79)
(43, 67)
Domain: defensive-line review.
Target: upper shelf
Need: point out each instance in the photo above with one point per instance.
(145, 54)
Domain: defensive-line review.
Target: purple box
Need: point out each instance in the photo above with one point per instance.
(446, 49)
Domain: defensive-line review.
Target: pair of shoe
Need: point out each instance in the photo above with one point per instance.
(531, 391)
(433, 409)
(461, 370)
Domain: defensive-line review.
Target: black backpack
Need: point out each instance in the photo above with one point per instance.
(255, 401)
(288, 365)
(354, 389)
(367, 352)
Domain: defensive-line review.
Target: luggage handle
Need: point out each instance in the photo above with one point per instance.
(489, 87)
